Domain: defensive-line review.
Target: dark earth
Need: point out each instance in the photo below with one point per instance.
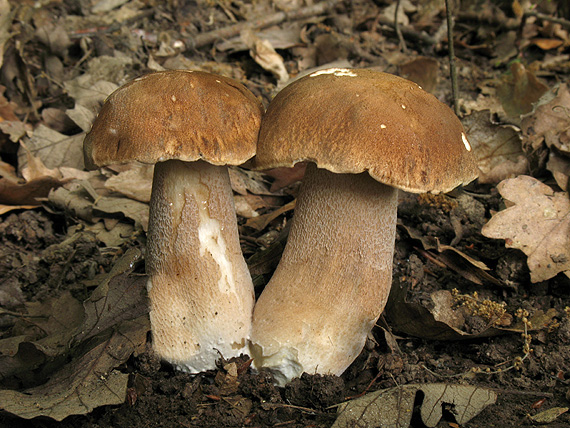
(46, 252)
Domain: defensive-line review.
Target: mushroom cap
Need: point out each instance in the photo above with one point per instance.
(176, 114)
(351, 121)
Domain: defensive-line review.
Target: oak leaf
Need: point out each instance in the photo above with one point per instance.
(537, 223)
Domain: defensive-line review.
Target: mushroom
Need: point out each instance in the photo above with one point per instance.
(366, 134)
(190, 124)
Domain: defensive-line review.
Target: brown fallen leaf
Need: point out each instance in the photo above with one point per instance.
(261, 222)
(394, 407)
(548, 416)
(44, 331)
(445, 322)
(520, 90)
(120, 296)
(538, 224)
(423, 71)
(547, 44)
(448, 256)
(133, 180)
(87, 382)
(549, 123)
(559, 166)
(286, 176)
(497, 147)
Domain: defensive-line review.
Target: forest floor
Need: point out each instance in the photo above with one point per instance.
(477, 329)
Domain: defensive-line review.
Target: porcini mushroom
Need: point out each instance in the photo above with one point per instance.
(366, 134)
(190, 124)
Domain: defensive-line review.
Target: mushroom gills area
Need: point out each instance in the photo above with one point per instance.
(333, 280)
(200, 290)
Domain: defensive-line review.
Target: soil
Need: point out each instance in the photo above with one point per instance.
(39, 261)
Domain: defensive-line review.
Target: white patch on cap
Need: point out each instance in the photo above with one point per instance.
(336, 72)
(218, 81)
(403, 106)
(465, 142)
(382, 126)
(173, 98)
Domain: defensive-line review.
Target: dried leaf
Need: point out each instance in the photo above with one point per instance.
(497, 148)
(5, 24)
(54, 149)
(82, 116)
(547, 44)
(520, 90)
(423, 71)
(244, 181)
(286, 176)
(118, 297)
(559, 166)
(550, 123)
(29, 193)
(264, 54)
(394, 407)
(86, 383)
(538, 224)
(134, 181)
(468, 267)
(123, 207)
(548, 416)
(246, 205)
(443, 322)
(261, 222)
(45, 330)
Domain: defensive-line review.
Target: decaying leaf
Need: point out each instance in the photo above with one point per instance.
(445, 320)
(548, 416)
(244, 181)
(520, 90)
(497, 148)
(133, 180)
(101, 335)
(54, 149)
(265, 55)
(468, 267)
(87, 382)
(261, 222)
(118, 297)
(5, 22)
(129, 208)
(538, 224)
(44, 333)
(423, 71)
(550, 123)
(394, 407)
(559, 166)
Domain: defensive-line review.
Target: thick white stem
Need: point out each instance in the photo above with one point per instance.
(333, 279)
(200, 290)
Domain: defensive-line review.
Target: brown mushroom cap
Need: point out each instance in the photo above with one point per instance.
(176, 114)
(351, 121)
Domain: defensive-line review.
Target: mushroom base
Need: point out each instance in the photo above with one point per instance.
(333, 280)
(200, 291)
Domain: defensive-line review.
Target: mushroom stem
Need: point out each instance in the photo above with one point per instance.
(200, 290)
(333, 280)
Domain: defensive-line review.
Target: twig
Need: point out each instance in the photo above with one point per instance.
(115, 26)
(451, 52)
(397, 28)
(408, 32)
(210, 37)
(506, 23)
(561, 21)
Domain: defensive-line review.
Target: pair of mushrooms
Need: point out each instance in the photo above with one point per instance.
(365, 133)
